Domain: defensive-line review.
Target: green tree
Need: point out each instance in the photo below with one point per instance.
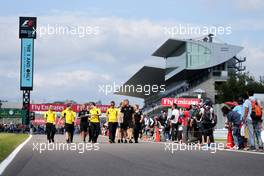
(236, 86)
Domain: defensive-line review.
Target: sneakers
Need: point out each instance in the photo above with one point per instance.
(253, 149)
(235, 148)
(122, 141)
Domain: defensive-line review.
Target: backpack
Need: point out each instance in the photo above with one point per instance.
(214, 119)
(207, 114)
(256, 113)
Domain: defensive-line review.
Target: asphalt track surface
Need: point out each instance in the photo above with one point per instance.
(146, 158)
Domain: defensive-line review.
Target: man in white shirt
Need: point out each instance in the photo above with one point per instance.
(174, 121)
(247, 120)
(148, 123)
(256, 123)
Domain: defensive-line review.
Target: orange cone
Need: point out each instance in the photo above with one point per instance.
(229, 141)
(157, 135)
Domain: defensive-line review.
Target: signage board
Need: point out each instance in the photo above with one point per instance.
(61, 107)
(27, 64)
(181, 102)
(27, 27)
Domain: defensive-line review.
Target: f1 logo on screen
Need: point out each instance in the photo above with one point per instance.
(27, 27)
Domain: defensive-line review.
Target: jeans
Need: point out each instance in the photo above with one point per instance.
(237, 136)
(167, 135)
(257, 131)
(251, 134)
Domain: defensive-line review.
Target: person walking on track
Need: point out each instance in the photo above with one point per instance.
(69, 115)
(50, 118)
(83, 115)
(94, 114)
(112, 119)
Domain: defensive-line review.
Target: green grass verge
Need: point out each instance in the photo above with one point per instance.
(220, 140)
(8, 142)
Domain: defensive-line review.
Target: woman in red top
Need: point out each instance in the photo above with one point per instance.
(185, 121)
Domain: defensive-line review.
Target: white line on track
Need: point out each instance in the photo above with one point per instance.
(9, 159)
(242, 151)
(228, 150)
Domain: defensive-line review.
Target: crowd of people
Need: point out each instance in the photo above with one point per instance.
(194, 124)
(245, 122)
(123, 121)
(13, 128)
(127, 124)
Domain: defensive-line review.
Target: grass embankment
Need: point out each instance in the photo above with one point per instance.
(8, 142)
(220, 140)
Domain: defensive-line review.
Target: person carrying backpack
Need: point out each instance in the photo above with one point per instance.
(208, 122)
(234, 122)
(256, 116)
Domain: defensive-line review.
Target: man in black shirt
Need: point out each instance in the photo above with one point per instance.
(128, 120)
(83, 115)
(138, 117)
(163, 118)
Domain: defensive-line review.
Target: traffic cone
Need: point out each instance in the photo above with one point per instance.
(229, 141)
(157, 135)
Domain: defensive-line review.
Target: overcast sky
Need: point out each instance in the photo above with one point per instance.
(123, 37)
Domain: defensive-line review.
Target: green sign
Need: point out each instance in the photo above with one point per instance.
(11, 113)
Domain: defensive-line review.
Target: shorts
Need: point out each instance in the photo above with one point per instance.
(207, 129)
(68, 127)
(131, 124)
(126, 125)
(84, 127)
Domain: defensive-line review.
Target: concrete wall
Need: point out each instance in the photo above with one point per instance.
(220, 119)
(208, 86)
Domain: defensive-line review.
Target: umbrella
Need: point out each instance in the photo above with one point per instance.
(231, 103)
